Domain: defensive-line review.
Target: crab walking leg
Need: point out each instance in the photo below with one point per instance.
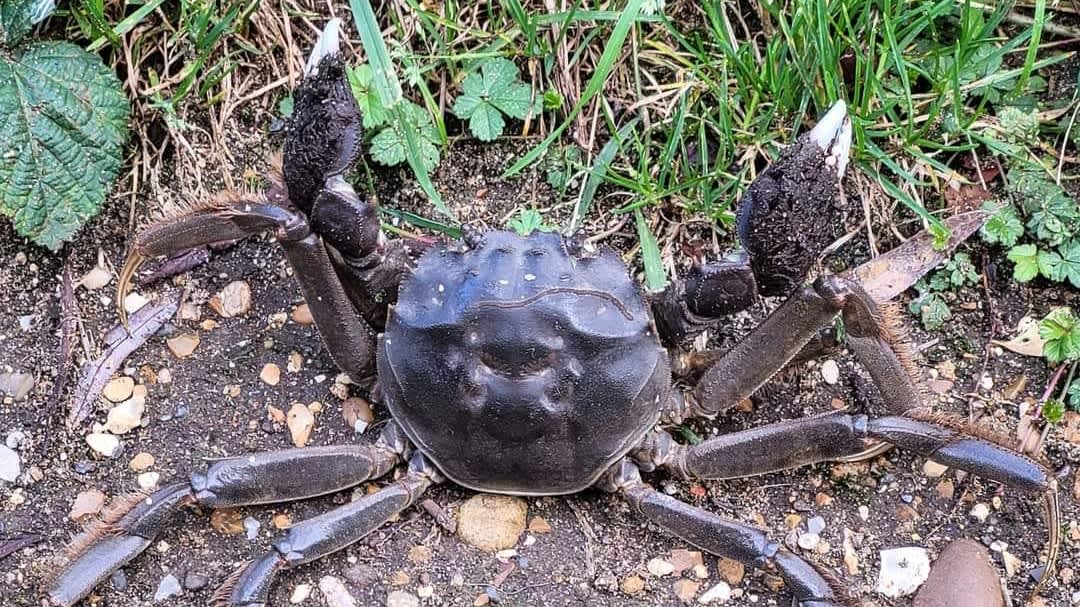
(237, 481)
(348, 337)
(724, 537)
(325, 534)
(833, 436)
(765, 351)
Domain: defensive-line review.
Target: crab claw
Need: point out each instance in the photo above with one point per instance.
(794, 210)
(323, 135)
(328, 45)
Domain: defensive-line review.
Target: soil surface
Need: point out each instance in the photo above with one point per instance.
(216, 405)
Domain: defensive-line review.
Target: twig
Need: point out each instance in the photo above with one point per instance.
(68, 326)
(590, 539)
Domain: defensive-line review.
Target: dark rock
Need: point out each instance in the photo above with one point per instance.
(963, 560)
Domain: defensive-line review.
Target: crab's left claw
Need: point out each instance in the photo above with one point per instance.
(323, 135)
(793, 210)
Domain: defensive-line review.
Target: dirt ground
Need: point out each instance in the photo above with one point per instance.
(216, 405)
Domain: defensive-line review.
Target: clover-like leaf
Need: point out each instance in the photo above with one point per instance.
(490, 93)
(63, 123)
(388, 147)
(1003, 227)
(371, 106)
(1060, 331)
(1026, 258)
(529, 221)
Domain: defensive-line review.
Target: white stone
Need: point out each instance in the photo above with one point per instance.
(168, 588)
(400, 598)
(809, 541)
(300, 594)
(719, 593)
(980, 512)
(659, 567)
(9, 465)
(830, 371)
(335, 593)
(148, 480)
(126, 416)
(105, 444)
(903, 570)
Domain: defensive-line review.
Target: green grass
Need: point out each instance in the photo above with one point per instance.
(679, 108)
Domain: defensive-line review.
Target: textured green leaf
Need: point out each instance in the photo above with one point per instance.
(489, 93)
(1004, 228)
(389, 147)
(1026, 258)
(16, 19)
(63, 123)
(1060, 333)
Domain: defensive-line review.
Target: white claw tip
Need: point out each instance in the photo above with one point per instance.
(329, 43)
(833, 135)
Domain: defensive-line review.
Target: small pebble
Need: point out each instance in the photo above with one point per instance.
(632, 585)
(251, 528)
(168, 588)
(301, 315)
(9, 464)
(816, 525)
(234, 300)
(686, 590)
(300, 594)
(183, 346)
(809, 541)
(14, 439)
(659, 567)
(87, 503)
(270, 374)
(148, 480)
(195, 581)
(105, 444)
(118, 580)
(903, 570)
(830, 372)
(400, 598)
(719, 593)
(335, 593)
(980, 511)
(119, 389)
(491, 522)
(142, 461)
(301, 421)
(126, 416)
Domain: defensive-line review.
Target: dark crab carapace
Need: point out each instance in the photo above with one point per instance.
(534, 365)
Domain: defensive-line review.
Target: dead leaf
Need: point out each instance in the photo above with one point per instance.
(120, 342)
(1027, 341)
(966, 198)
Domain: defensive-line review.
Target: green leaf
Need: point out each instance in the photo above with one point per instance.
(390, 147)
(1061, 333)
(1025, 257)
(63, 124)
(932, 309)
(1065, 264)
(655, 277)
(1074, 396)
(529, 221)
(1053, 410)
(17, 17)
(369, 100)
(1003, 227)
(488, 94)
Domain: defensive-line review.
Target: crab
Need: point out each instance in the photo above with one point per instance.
(535, 365)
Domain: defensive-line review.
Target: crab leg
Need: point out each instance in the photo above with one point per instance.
(753, 361)
(325, 534)
(717, 535)
(262, 478)
(835, 436)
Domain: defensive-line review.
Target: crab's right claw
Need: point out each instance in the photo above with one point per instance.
(793, 210)
(322, 138)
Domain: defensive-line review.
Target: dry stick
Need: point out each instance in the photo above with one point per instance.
(68, 323)
(990, 339)
(590, 538)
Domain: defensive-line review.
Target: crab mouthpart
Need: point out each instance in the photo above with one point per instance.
(329, 44)
(833, 135)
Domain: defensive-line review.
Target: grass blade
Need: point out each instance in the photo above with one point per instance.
(597, 174)
(386, 84)
(612, 49)
(655, 277)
